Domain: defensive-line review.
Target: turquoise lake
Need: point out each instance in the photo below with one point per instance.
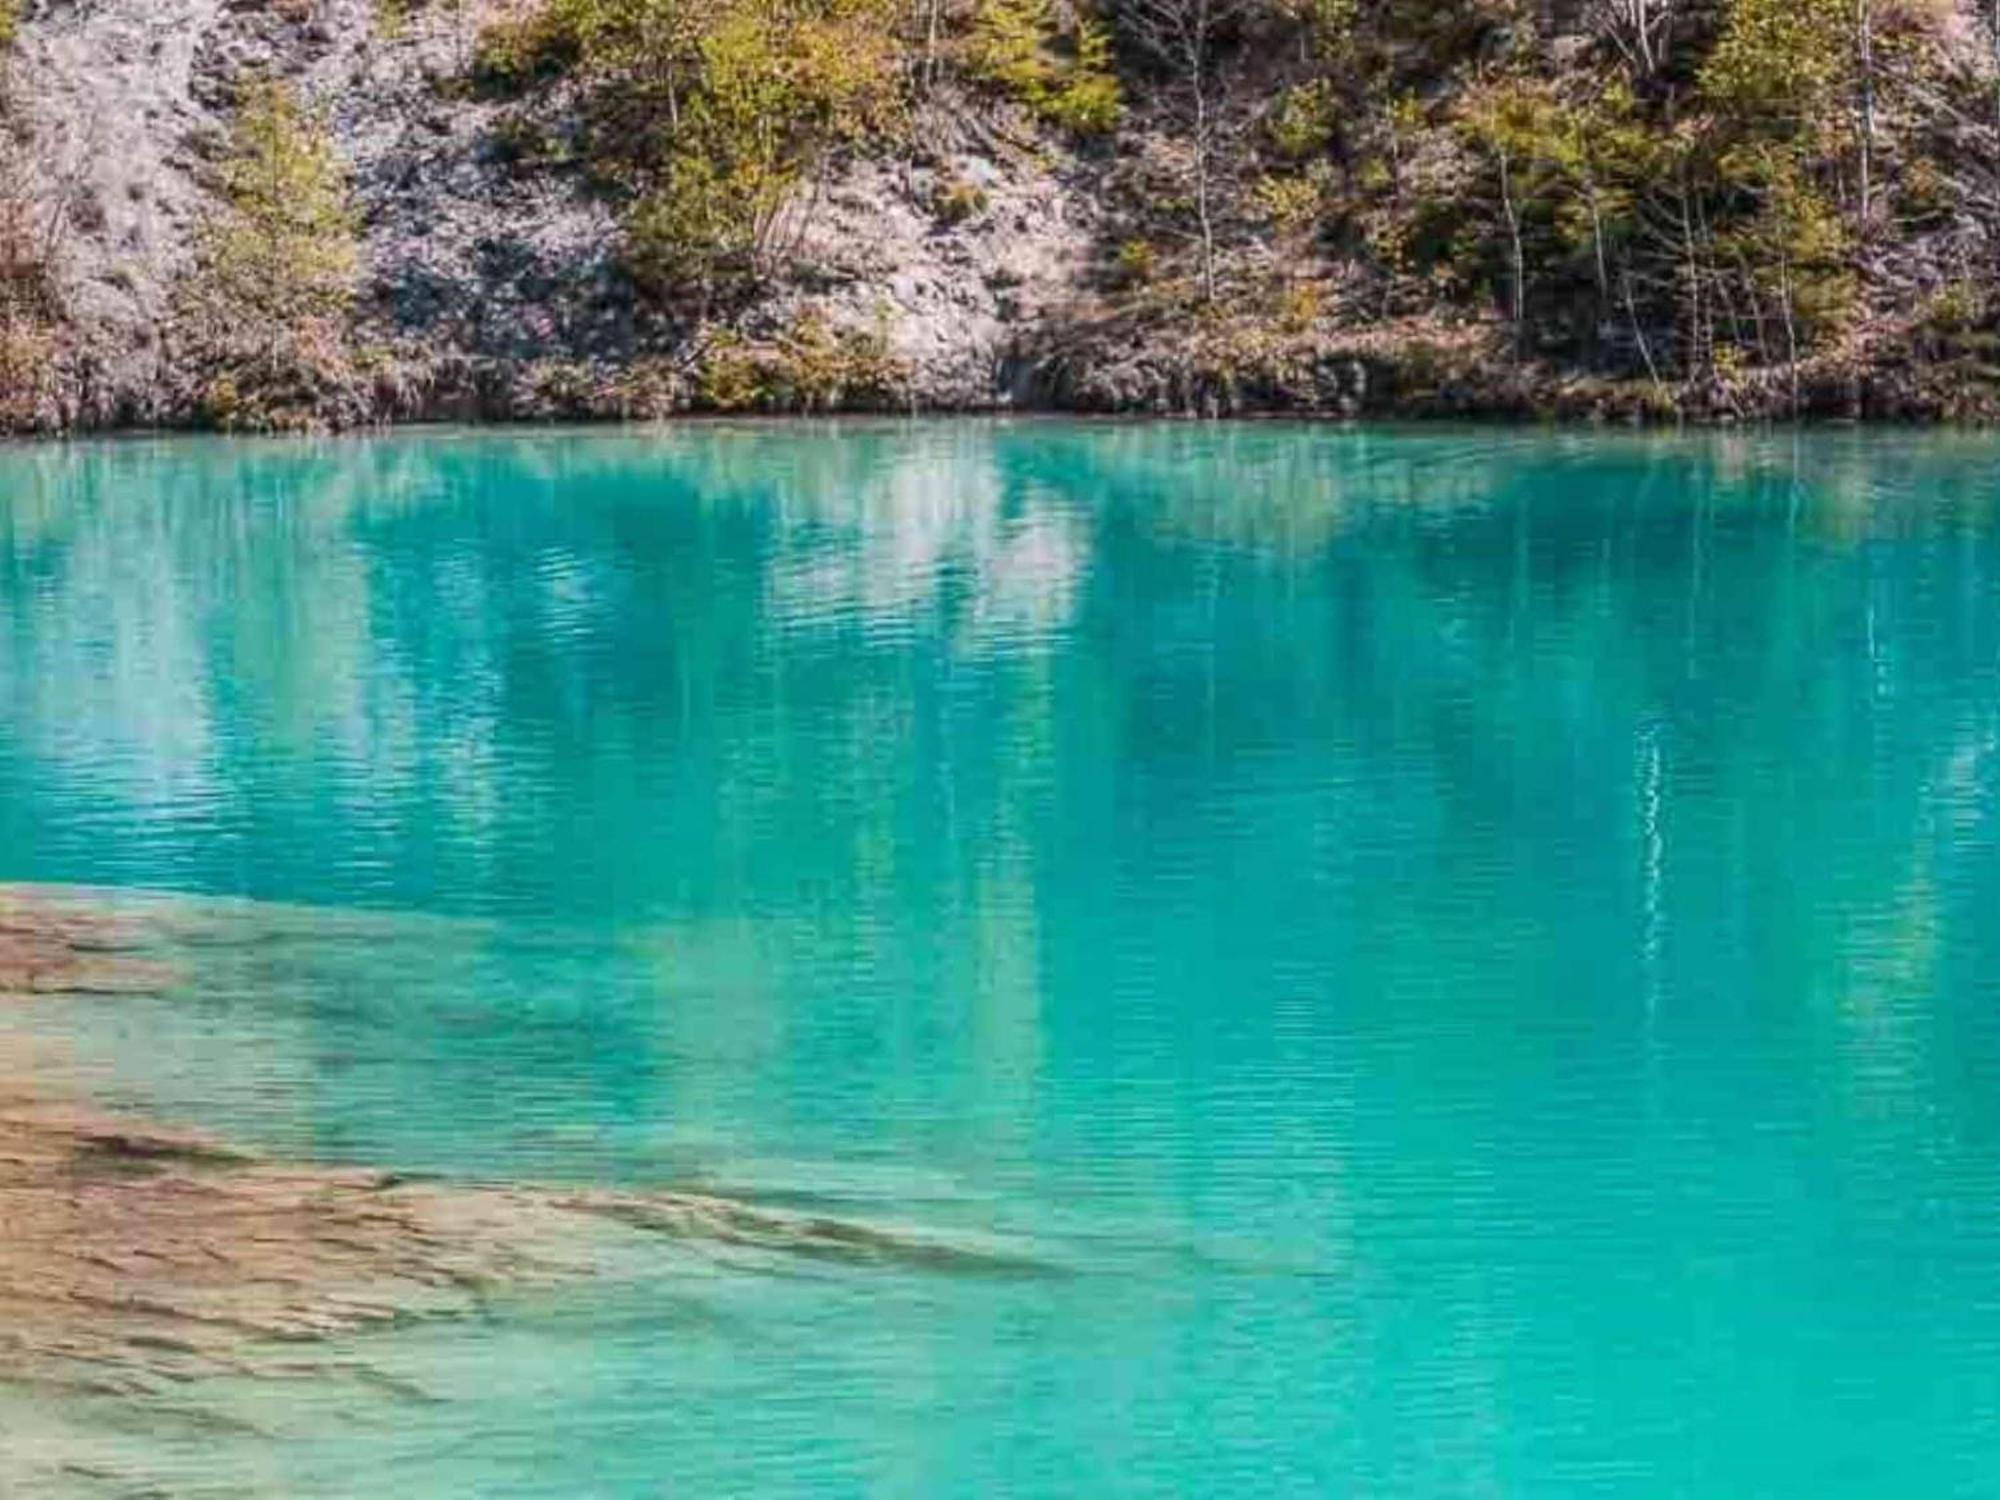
(1467, 961)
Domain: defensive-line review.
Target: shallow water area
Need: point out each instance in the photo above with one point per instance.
(1278, 959)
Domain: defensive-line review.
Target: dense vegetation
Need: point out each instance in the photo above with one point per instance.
(710, 118)
(1637, 206)
(1681, 195)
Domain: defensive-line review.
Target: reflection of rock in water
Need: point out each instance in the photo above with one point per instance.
(135, 1254)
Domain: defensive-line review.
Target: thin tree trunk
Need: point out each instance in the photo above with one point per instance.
(1597, 238)
(1597, 249)
(1638, 333)
(1515, 248)
(1865, 42)
(1749, 279)
(1791, 326)
(1198, 81)
(1691, 274)
(1202, 215)
(1182, 36)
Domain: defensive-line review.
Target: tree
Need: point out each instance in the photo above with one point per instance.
(283, 249)
(1863, 16)
(1793, 250)
(1790, 68)
(270, 300)
(1182, 37)
(1515, 122)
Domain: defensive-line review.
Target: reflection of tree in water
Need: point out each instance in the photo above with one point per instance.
(1282, 843)
(935, 711)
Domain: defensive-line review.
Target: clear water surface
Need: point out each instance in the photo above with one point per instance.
(1471, 958)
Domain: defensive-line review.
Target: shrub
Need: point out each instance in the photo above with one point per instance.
(29, 351)
(707, 116)
(1087, 100)
(729, 378)
(1016, 46)
(1301, 124)
(1298, 307)
(957, 200)
(1954, 309)
(1135, 263)
(512, 55)
(1290, 205)
(809, 366)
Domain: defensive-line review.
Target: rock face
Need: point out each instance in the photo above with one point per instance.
(960, 303)
(493, 290)
(109, 93)
(127, 102)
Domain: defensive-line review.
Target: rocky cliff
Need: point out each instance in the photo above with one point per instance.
(1491, 207)
(490, 291)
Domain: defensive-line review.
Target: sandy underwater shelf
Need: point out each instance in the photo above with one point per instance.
(137, 1255)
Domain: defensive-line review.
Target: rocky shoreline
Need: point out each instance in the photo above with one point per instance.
(1335, 383)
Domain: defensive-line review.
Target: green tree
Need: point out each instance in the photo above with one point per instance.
(1795, 251)
(1513, 122)
(1778, 63)
(1064, 77)
(712, 119)
(270, 301)
(283, 249)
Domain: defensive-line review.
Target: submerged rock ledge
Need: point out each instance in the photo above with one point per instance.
(136, 1253)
